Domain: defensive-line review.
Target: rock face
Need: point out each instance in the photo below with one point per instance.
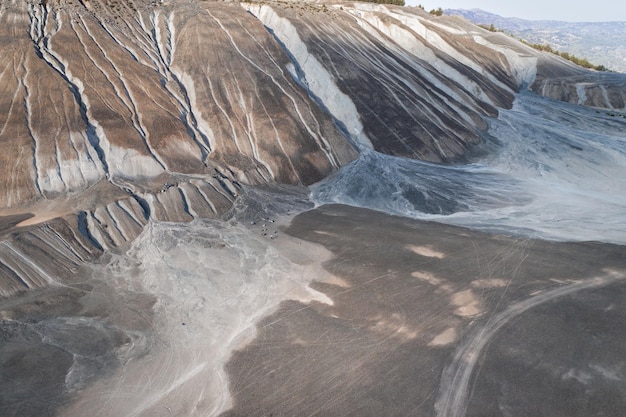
(604, 91)
(427, 85)
(114, 113)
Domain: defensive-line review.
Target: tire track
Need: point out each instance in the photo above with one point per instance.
(455, 379)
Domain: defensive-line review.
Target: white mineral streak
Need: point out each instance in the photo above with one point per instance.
(406, 30)
(523, 65)
(317, 79)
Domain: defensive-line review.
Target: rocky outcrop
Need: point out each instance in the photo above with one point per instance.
(601, 90)
(49, 254)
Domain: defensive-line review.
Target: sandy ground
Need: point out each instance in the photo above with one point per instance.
(415, 309)
(336, 311)
(213, 281)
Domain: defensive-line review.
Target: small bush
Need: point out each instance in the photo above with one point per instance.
(437, 12)
(398, 2)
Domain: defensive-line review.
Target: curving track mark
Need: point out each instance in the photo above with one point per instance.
(455, 379)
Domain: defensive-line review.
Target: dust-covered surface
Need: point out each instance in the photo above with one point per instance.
(147, 330)
(420, 321)
(564, 358)
(337, 310)
(55, 342)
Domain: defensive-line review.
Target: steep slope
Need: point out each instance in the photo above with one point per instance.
(427, 85)
(144, 95)
(103, 91)
(562, 80)
(409, 84)
(117, 113)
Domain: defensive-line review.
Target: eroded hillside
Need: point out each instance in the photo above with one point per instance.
(115, 112)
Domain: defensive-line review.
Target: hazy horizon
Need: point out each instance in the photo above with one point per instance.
(603, 10)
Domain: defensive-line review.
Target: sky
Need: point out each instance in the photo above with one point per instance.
(570, 11)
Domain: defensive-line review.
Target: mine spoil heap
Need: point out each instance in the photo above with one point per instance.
(118, 113)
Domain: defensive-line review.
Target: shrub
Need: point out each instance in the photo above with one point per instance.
(398, 2)
(437, 12)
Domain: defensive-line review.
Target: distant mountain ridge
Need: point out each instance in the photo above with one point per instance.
(602, 43)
